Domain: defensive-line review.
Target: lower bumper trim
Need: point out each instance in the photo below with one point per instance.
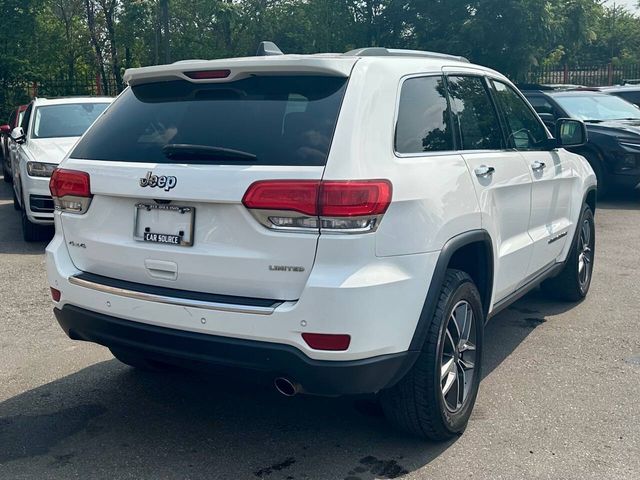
(320, 377)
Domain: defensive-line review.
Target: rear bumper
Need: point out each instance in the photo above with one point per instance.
(321, 377)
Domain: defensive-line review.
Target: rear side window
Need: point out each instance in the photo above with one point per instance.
(473, 114)
(283, 120)
(423, 117)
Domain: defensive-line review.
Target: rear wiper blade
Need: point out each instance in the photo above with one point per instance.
(187, 151)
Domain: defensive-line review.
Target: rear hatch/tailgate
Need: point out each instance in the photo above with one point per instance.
(169, 164)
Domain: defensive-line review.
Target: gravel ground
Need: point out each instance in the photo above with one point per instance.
(560, 397)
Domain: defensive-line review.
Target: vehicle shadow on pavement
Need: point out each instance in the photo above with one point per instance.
(110, 421)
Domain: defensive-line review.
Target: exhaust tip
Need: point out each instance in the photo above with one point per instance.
(285, 386)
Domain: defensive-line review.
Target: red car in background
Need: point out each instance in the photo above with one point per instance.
(5, 140)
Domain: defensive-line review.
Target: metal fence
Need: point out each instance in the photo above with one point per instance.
(588, 76)
(20, 92)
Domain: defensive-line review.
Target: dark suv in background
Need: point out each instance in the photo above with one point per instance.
(613, 124)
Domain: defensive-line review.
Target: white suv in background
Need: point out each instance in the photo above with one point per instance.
(48, 130)
(342, 223)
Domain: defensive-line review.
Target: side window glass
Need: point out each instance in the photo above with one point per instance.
(541, 105)
(524, 130)
(473, 114)
(423, 117)
(25, 120)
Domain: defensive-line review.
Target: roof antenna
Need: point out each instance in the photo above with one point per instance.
(267, 49)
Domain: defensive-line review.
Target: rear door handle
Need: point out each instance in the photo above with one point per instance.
(484, 171)
(538, 166)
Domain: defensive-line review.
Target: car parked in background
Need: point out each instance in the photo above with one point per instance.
(7, 145)
(630, 93)
(342, 223)
(49, 129)
(613, 125)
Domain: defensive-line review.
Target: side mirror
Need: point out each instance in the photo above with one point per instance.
(17, 135)
(570, 132)
(6, 129)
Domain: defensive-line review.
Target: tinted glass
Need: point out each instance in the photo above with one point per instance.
(280, 120)
(541, 105)
(524, 130)
(474, 114)
(598, 106)
(423, 117)
(633, 97)
(24, 123)
(68, 120)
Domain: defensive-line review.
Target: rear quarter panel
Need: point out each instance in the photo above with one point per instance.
(433, 195)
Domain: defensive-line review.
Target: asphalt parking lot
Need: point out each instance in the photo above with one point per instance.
(560, 398)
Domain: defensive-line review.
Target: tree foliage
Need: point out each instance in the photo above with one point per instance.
(79, 38)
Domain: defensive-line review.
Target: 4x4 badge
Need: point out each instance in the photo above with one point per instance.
(162, 181)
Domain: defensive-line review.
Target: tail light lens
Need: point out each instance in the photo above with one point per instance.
(309, 205)
(71, 190)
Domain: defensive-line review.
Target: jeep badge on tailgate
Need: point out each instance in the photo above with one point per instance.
(162, 181)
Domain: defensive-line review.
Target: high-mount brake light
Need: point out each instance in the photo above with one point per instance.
(208, 74)
(71, 190)
(332, 206)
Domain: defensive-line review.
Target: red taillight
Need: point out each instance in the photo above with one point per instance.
(354, 198)
(327, 341)
(290, 195)
(55, 294)
(208, 74)
(69, 182)
(71, 190)
(333, 205)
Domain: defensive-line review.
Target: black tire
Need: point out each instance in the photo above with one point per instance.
(5, 174)
(16, 204)
(31, 232)
(571, 284)
(138, 361)
(417, 404)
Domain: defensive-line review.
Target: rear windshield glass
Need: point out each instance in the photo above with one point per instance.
(278, 120)
(67, 120)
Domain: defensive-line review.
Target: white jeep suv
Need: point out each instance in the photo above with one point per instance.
(342, 223)
(49, 128)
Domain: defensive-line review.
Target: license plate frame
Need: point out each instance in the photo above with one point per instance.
(142, 233)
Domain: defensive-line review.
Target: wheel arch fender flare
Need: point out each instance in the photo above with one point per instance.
(483, 270)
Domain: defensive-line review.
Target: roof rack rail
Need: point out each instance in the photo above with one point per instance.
(395, 52)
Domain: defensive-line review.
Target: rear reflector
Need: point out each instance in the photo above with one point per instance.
(208, 74)
(327, 341)
(55, 294)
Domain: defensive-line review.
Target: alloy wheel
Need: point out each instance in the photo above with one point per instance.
(585, 254)
(458, 362)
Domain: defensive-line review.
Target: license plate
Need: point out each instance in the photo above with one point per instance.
(163, 223)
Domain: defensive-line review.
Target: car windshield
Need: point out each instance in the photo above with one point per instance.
(66, 120)
(598, 107)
